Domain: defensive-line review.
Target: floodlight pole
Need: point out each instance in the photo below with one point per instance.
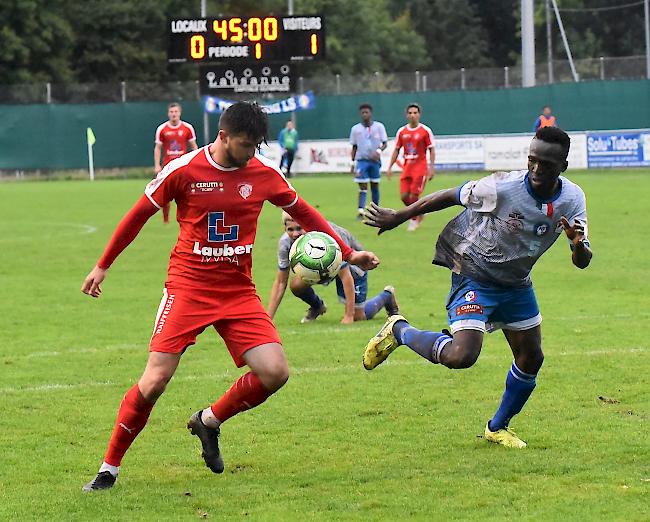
(646, 12)
(527, 43)
(290, 13)
(549, 42)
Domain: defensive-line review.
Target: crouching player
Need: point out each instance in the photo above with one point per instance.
(510, 219)
(351, 283)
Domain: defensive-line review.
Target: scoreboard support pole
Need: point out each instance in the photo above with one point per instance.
(206, 128)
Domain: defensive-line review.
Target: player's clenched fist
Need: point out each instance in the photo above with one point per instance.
(92, 282)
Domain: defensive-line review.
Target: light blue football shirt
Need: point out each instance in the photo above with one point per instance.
(367, 139)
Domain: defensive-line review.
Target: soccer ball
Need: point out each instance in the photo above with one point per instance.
(315, 257)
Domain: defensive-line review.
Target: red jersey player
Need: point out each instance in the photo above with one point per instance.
(171, 142)
(416, 139)
(219, 192)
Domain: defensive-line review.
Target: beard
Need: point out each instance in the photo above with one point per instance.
(234, 162)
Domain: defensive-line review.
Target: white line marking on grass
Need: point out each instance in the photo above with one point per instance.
(85, 229)
(294, 371)
(109, 348)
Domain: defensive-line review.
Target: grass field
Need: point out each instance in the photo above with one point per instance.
(337, 443)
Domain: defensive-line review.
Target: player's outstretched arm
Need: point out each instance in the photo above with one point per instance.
(124, 234)
(348, 290)
(386, 218)
(582, 254)
(277, 292)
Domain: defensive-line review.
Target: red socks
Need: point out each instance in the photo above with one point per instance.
(245, 394)
(131, 419)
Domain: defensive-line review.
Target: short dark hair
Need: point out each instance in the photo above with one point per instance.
(554, 135)
(414, 106)
(173, 104)
(365, 106)
(247, 118)
(546, 107)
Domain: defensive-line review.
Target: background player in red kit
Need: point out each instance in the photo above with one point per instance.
(171, 142)
(416, 139)
(219, 192)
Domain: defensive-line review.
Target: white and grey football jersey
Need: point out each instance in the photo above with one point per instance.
(506, 227)
(284, 246)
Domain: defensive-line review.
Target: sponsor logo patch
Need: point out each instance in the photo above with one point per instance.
(472, 308)
(206, 186)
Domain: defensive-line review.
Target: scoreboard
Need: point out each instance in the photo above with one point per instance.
(246, 39)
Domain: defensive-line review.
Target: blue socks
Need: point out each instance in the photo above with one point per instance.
(519, 386)
(425, 343)
(311, 298)
(375, 304)
(374, 189)
(363, 194)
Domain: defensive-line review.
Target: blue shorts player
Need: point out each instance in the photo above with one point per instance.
(351, 283)
(368, 140)
(510, 219)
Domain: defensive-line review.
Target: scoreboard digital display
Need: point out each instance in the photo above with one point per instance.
(249, 39)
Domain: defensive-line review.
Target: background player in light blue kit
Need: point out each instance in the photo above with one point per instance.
(510, 219)
(368, 139)
(351, 283)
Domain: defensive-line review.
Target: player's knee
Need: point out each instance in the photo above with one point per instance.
(274, 376)
(152, 385)
(297, 286)
(459, 357)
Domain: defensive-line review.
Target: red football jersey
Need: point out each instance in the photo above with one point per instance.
(415, 142)
(217, 209)
(173, 139)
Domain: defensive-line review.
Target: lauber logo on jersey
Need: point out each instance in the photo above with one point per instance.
(219, 232)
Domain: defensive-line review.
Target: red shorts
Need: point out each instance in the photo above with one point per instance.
(239, 318)
(413, 179)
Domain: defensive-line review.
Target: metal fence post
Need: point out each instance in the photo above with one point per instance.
(338, 84)
(198, 90)
(417, 81)
(602, 68)
(48, 92)
(123, 91)
(462, 78)
(424, 82)
(301, 85)
(506, 77)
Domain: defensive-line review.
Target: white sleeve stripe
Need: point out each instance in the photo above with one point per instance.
(158, 131)
(153, 201)
(171, 167)
(292, 203)
(192, 131)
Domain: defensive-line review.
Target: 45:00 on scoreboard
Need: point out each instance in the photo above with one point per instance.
(252, 39)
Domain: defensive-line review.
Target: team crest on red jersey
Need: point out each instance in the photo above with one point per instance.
(245, 190)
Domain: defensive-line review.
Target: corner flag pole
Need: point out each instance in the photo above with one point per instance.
(90, 138)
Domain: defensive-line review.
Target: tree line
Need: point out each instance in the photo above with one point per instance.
(65, 41)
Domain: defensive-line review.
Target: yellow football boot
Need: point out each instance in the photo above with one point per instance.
(506, 437)
(381, 345)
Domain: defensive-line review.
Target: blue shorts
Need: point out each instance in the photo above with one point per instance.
(479, 306)
(360, 290)
(367, 171)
